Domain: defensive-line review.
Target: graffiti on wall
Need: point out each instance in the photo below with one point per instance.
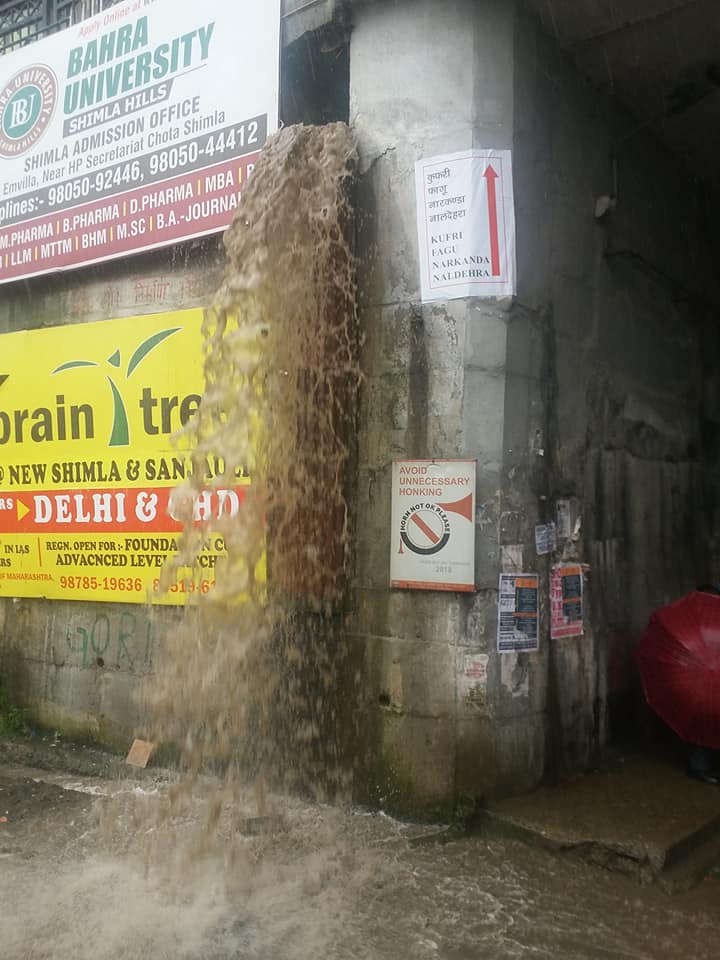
(124, 641)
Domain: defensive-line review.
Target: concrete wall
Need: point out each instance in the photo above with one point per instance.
(426, 78)
(594, 385)
(76, 664)
(623, 312)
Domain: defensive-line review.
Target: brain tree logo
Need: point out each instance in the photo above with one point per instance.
(120, 433)
(27, 103)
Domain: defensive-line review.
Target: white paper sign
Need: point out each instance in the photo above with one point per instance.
(466, 225)
(545, 539)
(433, 531)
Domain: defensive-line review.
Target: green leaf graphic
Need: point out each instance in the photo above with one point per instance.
(120, 436)
(71, 364)
(114, 360)
(147, 345)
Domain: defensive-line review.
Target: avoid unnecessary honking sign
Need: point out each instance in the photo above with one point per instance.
(433, 525)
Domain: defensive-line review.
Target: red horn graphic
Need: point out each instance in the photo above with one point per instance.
(463, 507)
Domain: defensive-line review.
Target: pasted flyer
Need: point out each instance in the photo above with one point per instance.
(545, 539)
(473, 681)
(518, 612)
(566, 601)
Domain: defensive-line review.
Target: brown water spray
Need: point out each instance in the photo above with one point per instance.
(250, 679)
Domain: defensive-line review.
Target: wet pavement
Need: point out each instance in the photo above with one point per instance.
(76, 883)
(639, 814)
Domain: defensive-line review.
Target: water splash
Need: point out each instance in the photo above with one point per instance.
(251, 679)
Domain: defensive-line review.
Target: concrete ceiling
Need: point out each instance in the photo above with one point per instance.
(661, 58)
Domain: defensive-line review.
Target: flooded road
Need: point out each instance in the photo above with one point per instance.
(77, 882)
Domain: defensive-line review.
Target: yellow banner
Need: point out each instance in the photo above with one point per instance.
(89, 462)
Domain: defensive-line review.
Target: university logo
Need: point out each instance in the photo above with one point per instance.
(27, 104)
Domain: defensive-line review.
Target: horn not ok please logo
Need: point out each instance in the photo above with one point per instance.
(120, 433)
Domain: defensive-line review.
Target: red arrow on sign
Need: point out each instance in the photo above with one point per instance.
(490, 178)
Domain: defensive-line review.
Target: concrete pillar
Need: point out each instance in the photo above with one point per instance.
(429, 78)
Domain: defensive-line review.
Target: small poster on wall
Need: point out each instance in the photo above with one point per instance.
(432, 546)
(473, 681)
(518, 613)
(566, 601)
(545, 539)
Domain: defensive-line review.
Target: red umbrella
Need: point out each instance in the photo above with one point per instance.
(679, 660)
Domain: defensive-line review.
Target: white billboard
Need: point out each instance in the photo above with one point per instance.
(133, 129)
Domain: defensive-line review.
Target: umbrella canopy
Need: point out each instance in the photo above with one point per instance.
(679, 660)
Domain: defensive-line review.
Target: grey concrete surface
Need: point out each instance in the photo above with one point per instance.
(435, 379)
(638, 814)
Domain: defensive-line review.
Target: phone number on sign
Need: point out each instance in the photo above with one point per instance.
(133, 585)
(186, 586)
(123, 584)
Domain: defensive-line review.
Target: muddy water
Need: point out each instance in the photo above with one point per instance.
(249, 683)
(322, 882)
